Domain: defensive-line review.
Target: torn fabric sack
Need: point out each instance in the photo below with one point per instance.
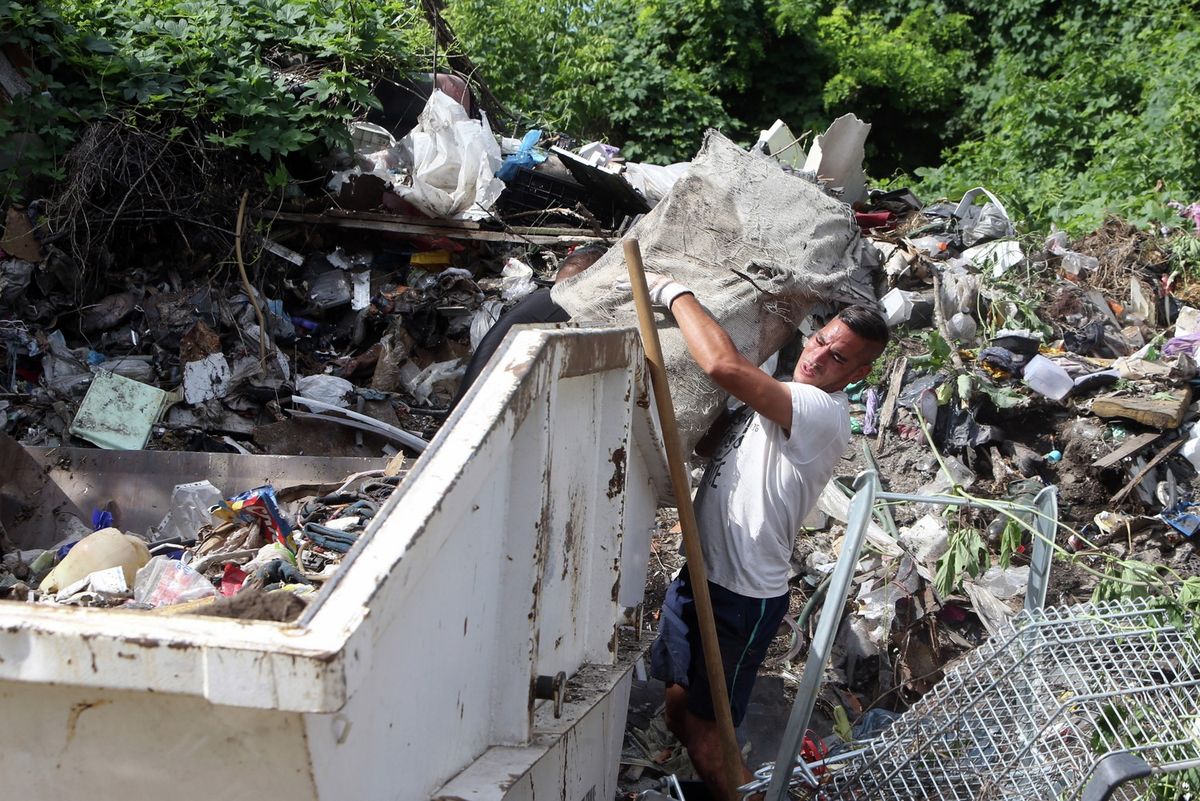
(758, 246)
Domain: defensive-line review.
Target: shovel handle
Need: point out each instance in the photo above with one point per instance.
(681, 486)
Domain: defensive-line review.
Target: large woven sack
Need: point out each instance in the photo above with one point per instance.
(757, 245)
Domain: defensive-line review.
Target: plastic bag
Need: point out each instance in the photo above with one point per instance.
(959, 292)
(652, 180)
(992, 221)
(454, 162)
(166, 582)
(189, 511)
(517, 280)
(525, 156)
(425, 382)
(483, 320)
(325, 388)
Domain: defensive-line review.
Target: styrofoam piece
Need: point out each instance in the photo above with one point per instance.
(897, 306)
(1188, 321)
(117, 413)
(1047, 378)
(360, 285)
(780, 142)
(207, 378)
(1191, 448)
(836, 157)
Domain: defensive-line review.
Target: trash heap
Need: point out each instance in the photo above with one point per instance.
(338, 317)
(1019, 364)
(259, 554)
(316, 315)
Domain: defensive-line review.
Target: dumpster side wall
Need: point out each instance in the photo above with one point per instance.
(509, 538)
(63, 743)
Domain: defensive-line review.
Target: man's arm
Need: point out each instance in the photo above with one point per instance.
(717, 356)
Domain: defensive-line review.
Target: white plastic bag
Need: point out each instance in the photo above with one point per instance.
(483, 320)
(454, 162)
(993, 221)
(189, 511)
(516, 281)
(166, 582)
(425, 382)
(325, 388)
(652, 180)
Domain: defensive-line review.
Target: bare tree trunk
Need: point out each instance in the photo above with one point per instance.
(462, 64)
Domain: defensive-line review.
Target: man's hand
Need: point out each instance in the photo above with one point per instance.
(663, 289)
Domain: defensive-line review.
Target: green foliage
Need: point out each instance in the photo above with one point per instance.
(1185, 254)
(266, 76)
(911, 68)
(967, 554)
(651, 75)
(1070, 111)
(1085, 118)
(881, 367)
(938, 355)
(1011, 538)
(644, 75)
(1126, 580)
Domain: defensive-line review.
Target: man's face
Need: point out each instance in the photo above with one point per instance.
(834, 357)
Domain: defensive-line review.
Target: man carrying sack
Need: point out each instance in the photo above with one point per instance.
(765, 476)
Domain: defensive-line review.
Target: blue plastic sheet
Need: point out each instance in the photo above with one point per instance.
(526, 156)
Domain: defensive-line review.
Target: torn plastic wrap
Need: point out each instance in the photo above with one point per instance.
(454, 162)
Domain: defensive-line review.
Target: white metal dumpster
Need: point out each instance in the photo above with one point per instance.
(507, 554)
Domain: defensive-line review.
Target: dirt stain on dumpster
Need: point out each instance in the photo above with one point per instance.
(617, 483)
(76, 711)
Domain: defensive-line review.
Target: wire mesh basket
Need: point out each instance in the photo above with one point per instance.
(1086, 702)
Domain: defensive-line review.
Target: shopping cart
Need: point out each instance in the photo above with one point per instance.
(1087, 702)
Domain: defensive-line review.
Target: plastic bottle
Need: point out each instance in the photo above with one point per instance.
(1047, 378)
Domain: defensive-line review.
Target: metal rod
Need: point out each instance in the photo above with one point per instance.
(1046, 526)
(822, 643)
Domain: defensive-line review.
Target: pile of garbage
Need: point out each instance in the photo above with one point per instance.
(1070, 364)
(340, 322)
(1018, 365)
(367, 329)
(259, 554)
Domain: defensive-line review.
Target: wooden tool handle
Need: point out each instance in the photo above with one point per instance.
(681, 486)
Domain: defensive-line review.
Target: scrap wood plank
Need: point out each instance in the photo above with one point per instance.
(384, 222)
(1160, 413)
(1153, 463)
(1131, 446)
(888, 410)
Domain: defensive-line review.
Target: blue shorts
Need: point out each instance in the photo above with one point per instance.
(745, 627)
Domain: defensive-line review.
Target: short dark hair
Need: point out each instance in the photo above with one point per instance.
(867, 323)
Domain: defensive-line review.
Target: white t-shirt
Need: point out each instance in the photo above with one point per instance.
(759, 487)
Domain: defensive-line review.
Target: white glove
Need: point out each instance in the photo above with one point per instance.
(663, 289)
